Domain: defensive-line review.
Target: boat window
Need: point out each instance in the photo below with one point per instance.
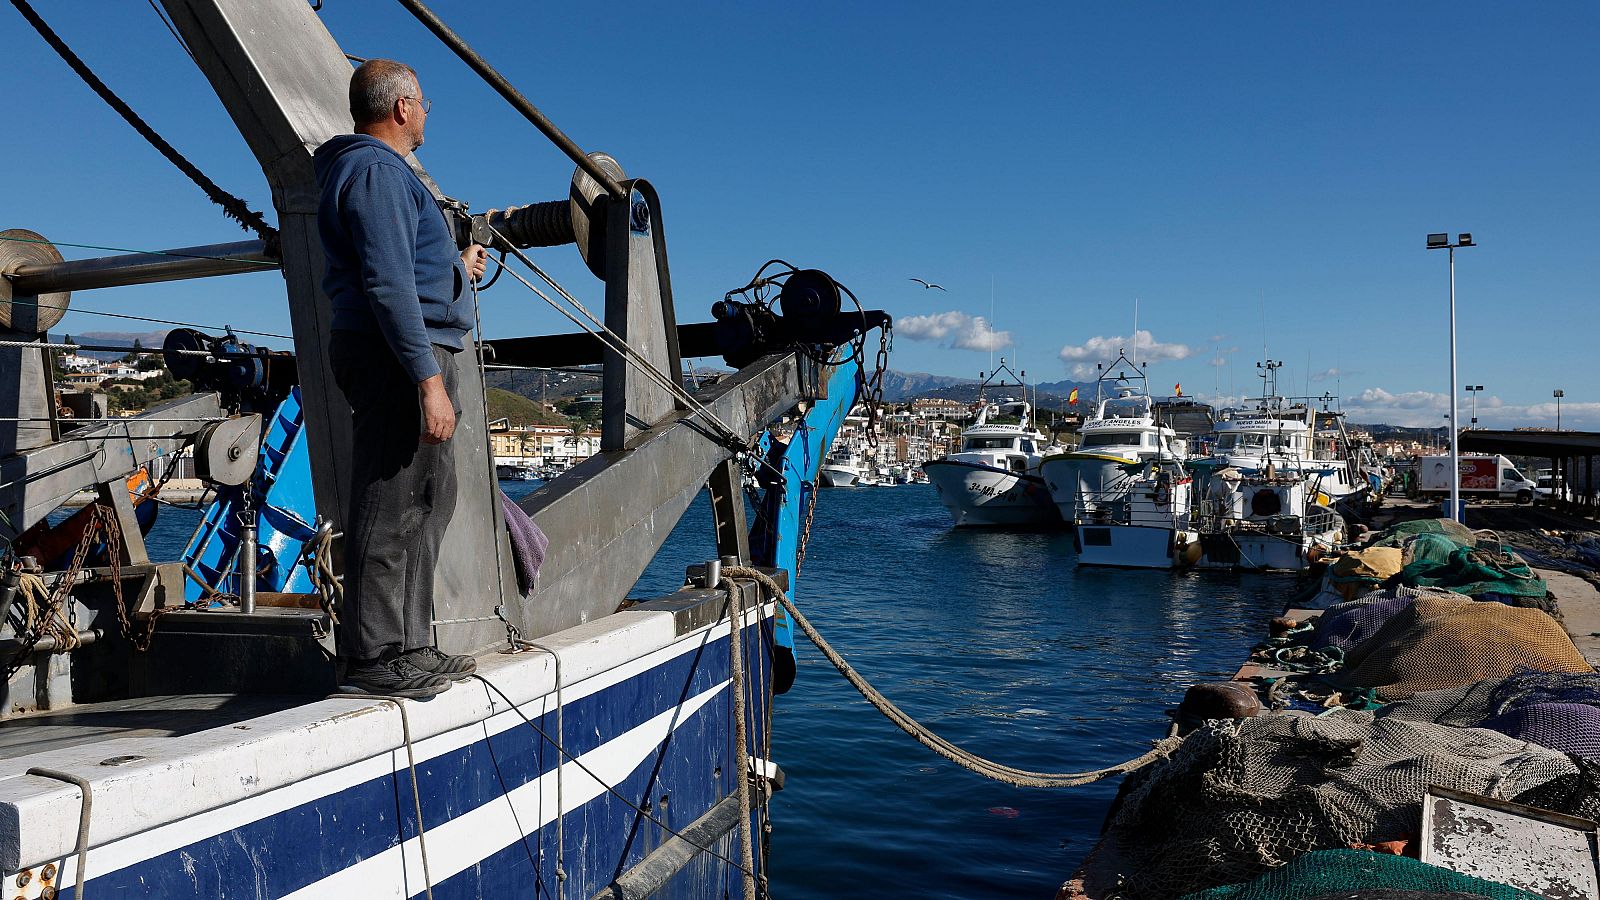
(1027, 446)
(1111, 439)
(989, 443)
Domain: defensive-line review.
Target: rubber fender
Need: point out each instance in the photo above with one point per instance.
(783, 669)
(1218, 700)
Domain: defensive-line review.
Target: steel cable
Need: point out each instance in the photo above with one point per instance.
(615, 342)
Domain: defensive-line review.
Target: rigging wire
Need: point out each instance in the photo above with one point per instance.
(173, 29)
(599, 330)
(233, 207)
(269, 264)
(131, 317)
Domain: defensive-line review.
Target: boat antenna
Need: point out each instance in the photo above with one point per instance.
(991, 320)
(1136, 328)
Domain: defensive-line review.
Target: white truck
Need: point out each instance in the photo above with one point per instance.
(1482, 477)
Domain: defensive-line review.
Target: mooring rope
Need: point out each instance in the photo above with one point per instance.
(924, 735)
(741, 736)
(416, 790)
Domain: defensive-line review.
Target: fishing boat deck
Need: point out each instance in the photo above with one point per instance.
(139, 717)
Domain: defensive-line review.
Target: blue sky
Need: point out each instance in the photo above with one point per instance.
(1250, 173)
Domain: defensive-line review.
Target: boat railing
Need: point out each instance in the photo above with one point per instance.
(1216, 515)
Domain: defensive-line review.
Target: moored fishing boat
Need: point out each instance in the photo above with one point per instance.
(1144, 524)
(1114, 443)
(994, 479)
(168, 727)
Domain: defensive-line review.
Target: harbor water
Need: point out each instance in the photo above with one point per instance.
(997, 641)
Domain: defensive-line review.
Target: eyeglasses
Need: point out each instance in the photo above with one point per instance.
(427, 105)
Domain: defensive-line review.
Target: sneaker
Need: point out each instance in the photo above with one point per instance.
(392, 677)
(429, 659)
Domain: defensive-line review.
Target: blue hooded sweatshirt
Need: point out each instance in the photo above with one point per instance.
(392, 265)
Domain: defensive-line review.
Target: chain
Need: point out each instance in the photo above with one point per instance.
(808, 495)
(106, 522)
(874, 383)
(61, 593)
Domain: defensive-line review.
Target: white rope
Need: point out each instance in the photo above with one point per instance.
(561, 806)
(925, 736)
(416, 792)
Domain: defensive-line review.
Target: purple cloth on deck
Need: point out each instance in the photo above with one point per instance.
(528, 544)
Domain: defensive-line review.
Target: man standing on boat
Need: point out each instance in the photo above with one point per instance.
(401, 307)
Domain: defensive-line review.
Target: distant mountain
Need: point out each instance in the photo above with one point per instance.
(898, 386)
(148, 340)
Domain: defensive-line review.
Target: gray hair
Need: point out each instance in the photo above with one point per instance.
(376, 86)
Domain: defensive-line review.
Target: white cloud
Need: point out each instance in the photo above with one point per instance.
(1327, 374)
(1428, 409)
(965, 332)
(1105, 349)
(1218, 361)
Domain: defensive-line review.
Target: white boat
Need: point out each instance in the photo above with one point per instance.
(994, 479)
(1267, 521)
(1291, 438)
(841, 469)
(1268, 489)
(1121, 436)
(1142, 524)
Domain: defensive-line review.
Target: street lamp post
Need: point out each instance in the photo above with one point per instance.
(1558, 394)
(1440, 242)
(1475, 389)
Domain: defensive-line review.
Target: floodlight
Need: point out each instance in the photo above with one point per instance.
(1436, 241)
(1464, 240)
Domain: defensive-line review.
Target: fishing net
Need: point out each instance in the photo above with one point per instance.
(1398, 535)
(1442, 641)
(1471, 571)
(1239, 798)
(1341, 873)
(1576, 794)
(1348, 624)
(1358, 572)
(1429, 549)
(1568, 727)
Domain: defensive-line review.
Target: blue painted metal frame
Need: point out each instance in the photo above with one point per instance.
(780, 520)
(285, 507)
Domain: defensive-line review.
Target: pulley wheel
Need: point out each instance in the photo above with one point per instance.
(809, 297)
(589, 202)
(34, 315)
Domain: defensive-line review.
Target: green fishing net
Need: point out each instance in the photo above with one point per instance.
(1340, 872)
(1471, 571)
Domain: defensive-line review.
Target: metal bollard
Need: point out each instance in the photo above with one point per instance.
(247, 567)
(713, 573)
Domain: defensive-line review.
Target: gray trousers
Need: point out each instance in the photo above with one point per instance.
(402, 495)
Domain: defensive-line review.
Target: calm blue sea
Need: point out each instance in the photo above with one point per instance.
(997, 641)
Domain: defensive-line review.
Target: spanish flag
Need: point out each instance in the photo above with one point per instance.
(1177, 389)
(1073, 397)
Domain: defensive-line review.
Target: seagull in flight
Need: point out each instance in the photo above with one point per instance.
(927, 285)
